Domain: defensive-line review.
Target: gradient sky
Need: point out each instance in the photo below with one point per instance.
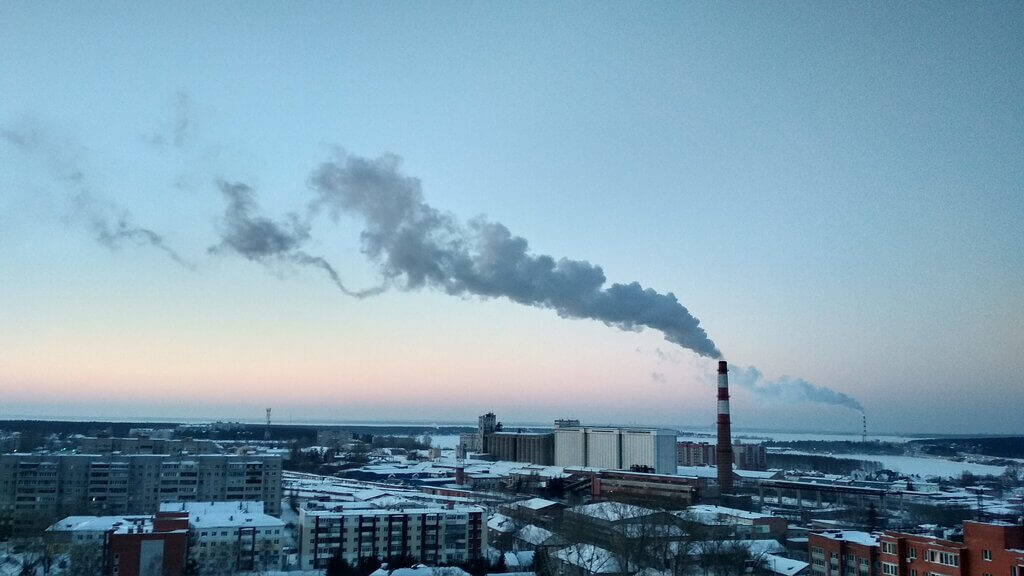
(833, 189)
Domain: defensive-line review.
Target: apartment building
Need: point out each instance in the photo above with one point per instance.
(844, 553)
(430, 535)
(44, 487)
(745, 456)
(232, 536)
(988, 549)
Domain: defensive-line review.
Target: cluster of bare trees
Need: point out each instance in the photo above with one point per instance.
(636, 540)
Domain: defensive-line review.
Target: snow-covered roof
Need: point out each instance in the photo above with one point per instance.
(613, 511)
(855, 536)
(535, 503)
(784, 566)
(421, 570)
(593, 559)
(118, 524)
(441, 510)
(708, 514)
(710, 472)
(224, 514)
(521, 559)
(501, 523)
(756, 547)
(532, 534)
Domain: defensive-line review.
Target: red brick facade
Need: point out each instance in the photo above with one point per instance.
(166, 545)
(843, 553)
(988, 549)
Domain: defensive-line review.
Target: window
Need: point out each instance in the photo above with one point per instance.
(890, 569)
(888, 547)
(912, 553)
(945, 558)
(986, 555)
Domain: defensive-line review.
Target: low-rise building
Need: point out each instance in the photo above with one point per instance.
(732, 521)
(232, 535)
(149, 545)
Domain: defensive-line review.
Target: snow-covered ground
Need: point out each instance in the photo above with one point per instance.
(923, 467)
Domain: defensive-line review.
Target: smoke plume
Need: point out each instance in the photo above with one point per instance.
(260, 239)
(786, 389)
(111, 226)
(416, 245)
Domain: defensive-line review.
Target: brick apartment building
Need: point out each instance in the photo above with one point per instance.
(844, 553)
(746, 456)
(988, 549)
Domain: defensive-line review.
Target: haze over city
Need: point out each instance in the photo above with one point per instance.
(832, 191)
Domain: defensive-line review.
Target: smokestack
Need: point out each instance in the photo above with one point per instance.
(864, 429)
(724, 451)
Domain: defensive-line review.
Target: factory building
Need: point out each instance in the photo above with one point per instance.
(430, 535)
(44, 487)
(747, 456)
(616, 448)
(532, 447)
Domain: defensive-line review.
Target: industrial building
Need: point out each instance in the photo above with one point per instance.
(430, 535)
(616, 448)
(44, 487)
(532, 447)
(668, 491)
(732, 522)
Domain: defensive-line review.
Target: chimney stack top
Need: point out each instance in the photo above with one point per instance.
(723, 367)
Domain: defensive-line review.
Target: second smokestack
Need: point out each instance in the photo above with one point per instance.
(723, 453)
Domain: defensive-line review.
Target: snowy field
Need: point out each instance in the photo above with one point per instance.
(923, 467)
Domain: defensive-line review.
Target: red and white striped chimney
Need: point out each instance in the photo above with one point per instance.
(723, 453)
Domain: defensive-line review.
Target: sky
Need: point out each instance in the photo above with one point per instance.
(833, 190)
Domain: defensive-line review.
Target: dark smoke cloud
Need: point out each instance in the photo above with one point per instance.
(416, 245)
(786, 389)
(260, 239)
(111, 226)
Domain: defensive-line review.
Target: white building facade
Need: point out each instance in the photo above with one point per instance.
(616, 448)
